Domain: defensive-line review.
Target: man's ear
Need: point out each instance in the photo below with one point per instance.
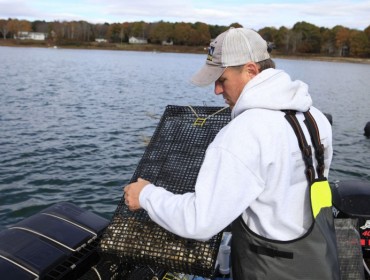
(252, 68)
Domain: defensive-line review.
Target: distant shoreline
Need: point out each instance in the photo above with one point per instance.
(325, 58)
(169, 49)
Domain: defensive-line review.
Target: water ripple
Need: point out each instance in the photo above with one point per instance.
(74, 124)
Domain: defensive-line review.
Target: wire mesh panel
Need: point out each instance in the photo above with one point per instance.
(172, 160)
(349, 249)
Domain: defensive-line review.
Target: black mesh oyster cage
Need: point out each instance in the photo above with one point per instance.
(171, 160)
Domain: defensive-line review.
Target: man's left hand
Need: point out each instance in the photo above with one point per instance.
(132, 193)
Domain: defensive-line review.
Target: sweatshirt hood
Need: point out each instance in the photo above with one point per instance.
(273, 90)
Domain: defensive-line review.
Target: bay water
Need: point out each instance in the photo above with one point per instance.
(75, 123)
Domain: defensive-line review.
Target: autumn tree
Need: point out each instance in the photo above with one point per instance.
(216, 30)
(139, 29)
(182, 33)
(100, 30)
(268, 33)
(342, 35)
(73, 31)
(202, 34)
(359, 44)
(307, 37)
(235, 25)
(113, 32)
(40, 26)
(4, 27)
(59, 31)
(16, 26)
(327, 41)
(367, 32)
(161, 31)
(282, 39)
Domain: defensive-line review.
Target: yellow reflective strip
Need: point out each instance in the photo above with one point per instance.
(320, 196)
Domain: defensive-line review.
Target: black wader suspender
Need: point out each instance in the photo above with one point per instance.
(320, 191)
(315, 138)
(303, 145)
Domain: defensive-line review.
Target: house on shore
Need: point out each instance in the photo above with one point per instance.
(167, 43)
(26, 35)
(101, 40)
(137, 40)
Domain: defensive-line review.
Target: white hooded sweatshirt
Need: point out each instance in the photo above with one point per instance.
(253, 168)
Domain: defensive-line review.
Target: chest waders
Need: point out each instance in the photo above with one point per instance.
(311, 256)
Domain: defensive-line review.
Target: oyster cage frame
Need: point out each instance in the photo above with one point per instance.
(171, 160)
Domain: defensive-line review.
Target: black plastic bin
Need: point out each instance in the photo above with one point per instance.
(351, 199)
(57, 243)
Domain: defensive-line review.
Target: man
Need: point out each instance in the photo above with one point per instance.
(253, 175)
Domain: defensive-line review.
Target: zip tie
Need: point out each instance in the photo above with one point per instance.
(201, 121)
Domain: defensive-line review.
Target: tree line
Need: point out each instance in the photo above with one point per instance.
(302, 38)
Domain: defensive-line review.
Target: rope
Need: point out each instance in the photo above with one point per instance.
(201, 121)
(366, 268)
(97, 272)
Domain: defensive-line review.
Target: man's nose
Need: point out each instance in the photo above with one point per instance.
(218, 89)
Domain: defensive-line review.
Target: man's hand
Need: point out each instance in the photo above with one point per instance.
(132, 193)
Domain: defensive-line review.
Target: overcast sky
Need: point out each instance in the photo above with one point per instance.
(252, 14)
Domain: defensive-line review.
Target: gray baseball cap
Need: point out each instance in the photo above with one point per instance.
(234, 47)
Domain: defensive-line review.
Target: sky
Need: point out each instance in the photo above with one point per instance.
(252, 14)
